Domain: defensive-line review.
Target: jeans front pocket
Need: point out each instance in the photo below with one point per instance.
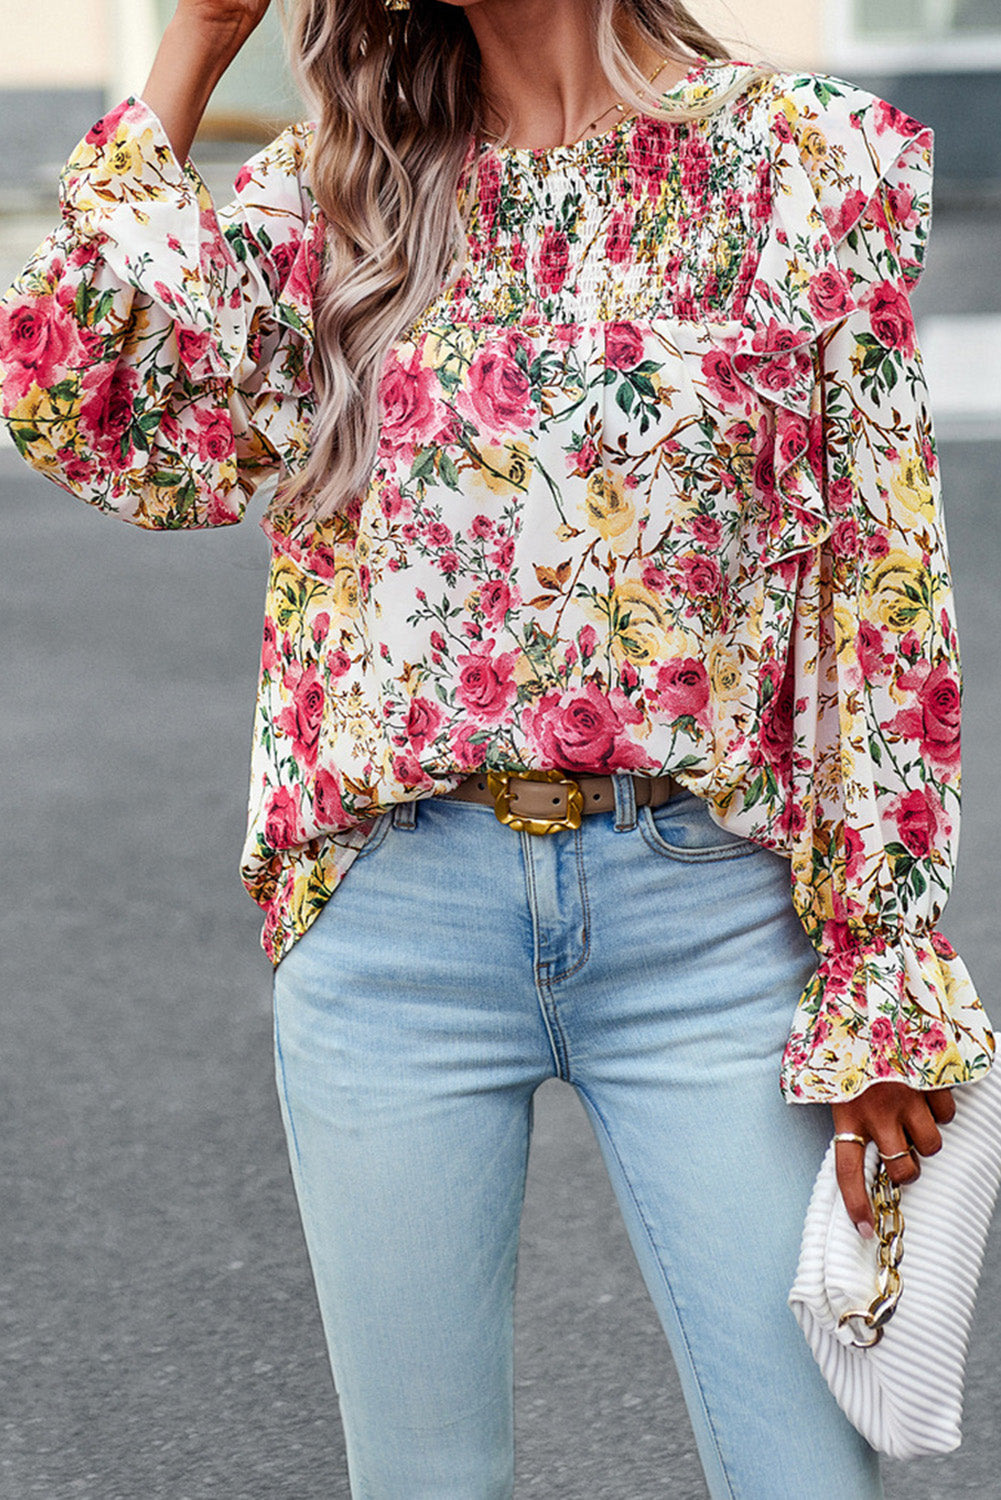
(683, 829)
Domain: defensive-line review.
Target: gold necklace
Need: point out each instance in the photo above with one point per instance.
(619, 105)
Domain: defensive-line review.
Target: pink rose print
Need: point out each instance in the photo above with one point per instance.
(302, 718)
(107, 409)
(934, 718)
(283, 820)
(583, 460)
(212, 436)
(845, 216)
(724, 383)
(694, 168)
(439, 535)
(891, 317)
(921, 820)
(338, 662)
(41, 344)
(412, 414)
(424, 719)
(888, 117)
(587, 640)
(777, 728)
(903, 207)
(328, 809)
(841, 494)
(786, 362)
(845, 538)
(702, 575)
(585, 730)
(619, 239)
(793, 436)
(304, 271)
(874, 661)
(623, 345)
(828, 295)
(652, 152)
(854, 855)
(496, 598)
(553, 261)
(497, 396)
(468, 754)
(486, 686)
(882, 1033)
(270, 659)
(683, 690)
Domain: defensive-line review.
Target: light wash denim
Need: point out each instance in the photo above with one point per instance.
(652, 961)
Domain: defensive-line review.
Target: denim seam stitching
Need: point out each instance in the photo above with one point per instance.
(659, 845)
(540, 972)
(666, 1284)
(585, 906)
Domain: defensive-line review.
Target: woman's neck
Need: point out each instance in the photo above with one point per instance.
(540, 68)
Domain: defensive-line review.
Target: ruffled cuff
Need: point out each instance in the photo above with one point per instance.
(152, 218)
(900, 1009)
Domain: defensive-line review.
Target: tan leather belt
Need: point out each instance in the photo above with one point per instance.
(544, 801)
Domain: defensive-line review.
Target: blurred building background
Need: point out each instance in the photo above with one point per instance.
(63, 61)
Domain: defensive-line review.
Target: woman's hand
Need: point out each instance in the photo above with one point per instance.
(200, 42)
(898, 1119)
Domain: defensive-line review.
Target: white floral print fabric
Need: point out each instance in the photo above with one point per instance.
(656, 491)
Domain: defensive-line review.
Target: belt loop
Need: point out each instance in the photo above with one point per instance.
(405, 816)
(625, 801)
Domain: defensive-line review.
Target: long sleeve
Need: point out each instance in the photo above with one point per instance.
(872, 693)
(153, 352)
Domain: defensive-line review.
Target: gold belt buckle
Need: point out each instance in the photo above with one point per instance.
(499, 783)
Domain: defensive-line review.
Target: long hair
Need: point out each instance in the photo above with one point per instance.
(397, 98)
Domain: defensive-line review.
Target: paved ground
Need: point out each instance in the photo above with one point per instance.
(160, 1340)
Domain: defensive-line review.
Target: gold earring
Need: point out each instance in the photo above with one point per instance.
(397, 4)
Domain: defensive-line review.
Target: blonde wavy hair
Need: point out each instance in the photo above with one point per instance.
(396, 95)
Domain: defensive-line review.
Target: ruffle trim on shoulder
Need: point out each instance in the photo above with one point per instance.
(840, 160)
(275, 210)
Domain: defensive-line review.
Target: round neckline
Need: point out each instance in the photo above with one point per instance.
(571, 149)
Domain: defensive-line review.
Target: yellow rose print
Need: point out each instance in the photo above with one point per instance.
(449, 352)
(724, 674)
(344, 589)
(504, 470)
(607, 507)
(844, 633)
(639, 621)
(911, 487)
(813, 143)
(898, 588)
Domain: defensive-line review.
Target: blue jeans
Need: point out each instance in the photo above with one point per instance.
(652, 961)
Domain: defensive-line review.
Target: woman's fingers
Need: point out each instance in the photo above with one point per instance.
(904, 1123)
(942, 1105)
(848, 1159)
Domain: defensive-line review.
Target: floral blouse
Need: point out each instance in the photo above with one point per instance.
(656, 491)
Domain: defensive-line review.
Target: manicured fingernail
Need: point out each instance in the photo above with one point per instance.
(866, 1230)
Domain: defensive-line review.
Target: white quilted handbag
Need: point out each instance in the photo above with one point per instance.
(904, 1389)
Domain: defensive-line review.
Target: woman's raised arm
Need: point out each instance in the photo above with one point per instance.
(154, 352)
(202, 39)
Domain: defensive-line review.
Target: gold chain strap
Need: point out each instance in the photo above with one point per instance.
(890, 1234)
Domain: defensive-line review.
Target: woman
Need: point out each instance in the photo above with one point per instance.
(609, 597)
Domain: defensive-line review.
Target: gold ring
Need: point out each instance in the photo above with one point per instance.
(846, 1135)
(896, 1155)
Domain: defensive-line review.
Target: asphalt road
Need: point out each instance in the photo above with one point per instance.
(159, 1335)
